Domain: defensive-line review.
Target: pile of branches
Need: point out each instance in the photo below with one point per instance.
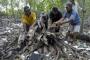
(44, 43)
(9, 34)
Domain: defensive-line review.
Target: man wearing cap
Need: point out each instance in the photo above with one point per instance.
(28, 19)
(72, 18)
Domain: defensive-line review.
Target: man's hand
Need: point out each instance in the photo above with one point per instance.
(58, 23)
(53, 25)
(55, 22)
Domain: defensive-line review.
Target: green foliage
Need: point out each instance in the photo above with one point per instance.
(87, 7)
(38, 5)
(4, 2)
(45, 5)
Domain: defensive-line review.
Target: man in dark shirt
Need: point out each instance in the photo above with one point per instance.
(55, 15)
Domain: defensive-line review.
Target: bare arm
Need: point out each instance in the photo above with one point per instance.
(63, 21)
(66, 21)
(59, 21)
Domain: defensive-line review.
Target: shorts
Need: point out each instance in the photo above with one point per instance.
(75, 28)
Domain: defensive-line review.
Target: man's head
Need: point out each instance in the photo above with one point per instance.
(69, 7)
(54, 10)
(27, 10)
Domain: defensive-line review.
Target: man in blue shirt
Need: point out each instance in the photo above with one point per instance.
(72, 18)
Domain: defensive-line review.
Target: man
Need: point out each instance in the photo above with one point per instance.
(72, 18)
(42, 23)
(55, 15)
(44, 19)
(28, 19)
